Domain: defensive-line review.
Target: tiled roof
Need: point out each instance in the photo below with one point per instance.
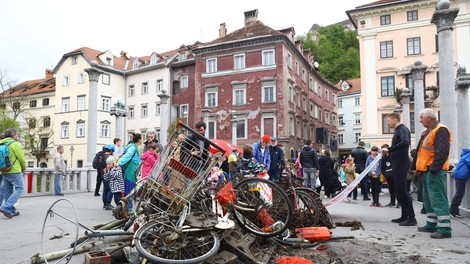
(380, 2)
(31, 87)
(355, 86)
(253, 29)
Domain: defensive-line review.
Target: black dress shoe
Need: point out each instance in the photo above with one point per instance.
(440, 235)
(366, 199)
(399, 220)
(426, 229)
(97, 194)
(390, 205)
(409, 222)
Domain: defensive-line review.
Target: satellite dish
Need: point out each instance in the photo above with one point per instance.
(316, 65)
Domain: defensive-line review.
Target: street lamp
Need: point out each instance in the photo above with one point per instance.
(71, 155)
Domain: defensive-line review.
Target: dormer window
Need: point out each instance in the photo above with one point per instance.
(108, 61)
(345, 86)
(135, 64)
(182, 56)
(153, 59)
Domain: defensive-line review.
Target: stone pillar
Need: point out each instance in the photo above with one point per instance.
(234, 131)
(164, 117)
(205, 118)
(405, 100)
(463, 118)
(120, 112)
(92, 125)
(444, 18)
(418, 78)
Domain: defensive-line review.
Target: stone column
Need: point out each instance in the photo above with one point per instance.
(405, 100)
(463, 118)
(205, 118)
(444, 18)
(120, 112)
(92, 126)
(234, 131)
(418, 78)
(164, 117)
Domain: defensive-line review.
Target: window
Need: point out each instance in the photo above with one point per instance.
(327, 95)
(357, 101)
(66, 80)
(159, 85)
(241, 128)
(409, 81)
(153, 59)
(291, 93)
(211, 128)
(319, 91)
(341, 120)
(131, 91)
(32, 123)
(74, 60)
(297, 96)
(65, 105)
(327, 117)
(333, 98)
(81, 77)
(211, 65)
(297, 71)
(182, 56)
(158, 110)
(357, 118)
(414, 45)
(45, 101)
(239, 61)
(80, 129)
(340, 138)
(144, 110)
(316, 111)
(298, 129)
(386, 49)
(135, 64)
(333, 120)
(388, 86)
(80, 103)
(46, 121)
(105, 129)
(310, 83)
(385, 128)
(44, 143)
(268, 92)
(289, 60)
(385, 20)
(145, 88)
(304, 75)
(239, 94)
(184, 82)
(304, 103)
(108, 61)
(184, 111)
(33, 103)
(211, 96)
(268, 57)
(291, 126)
(312, 109)
(412, 15)
(340, 103)
(64, 130)
(357, 137)
(105, 103)
(106, 79)
(131, 112)
(320, 114)
(315, 87)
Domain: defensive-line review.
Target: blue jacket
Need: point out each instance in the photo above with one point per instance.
(265, 159)
(462, 169)
(376, 168)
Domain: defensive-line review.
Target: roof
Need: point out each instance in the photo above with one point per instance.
(355, 86)
(251, 30)
(31, 87)
(380, 2)
(373, 5)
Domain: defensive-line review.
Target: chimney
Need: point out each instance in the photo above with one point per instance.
(222, 30)
(124, 55)
(49, 74)
(251, 16)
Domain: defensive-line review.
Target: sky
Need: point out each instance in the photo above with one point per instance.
(36, 34)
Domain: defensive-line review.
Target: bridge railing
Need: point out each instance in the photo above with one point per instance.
(38, 181)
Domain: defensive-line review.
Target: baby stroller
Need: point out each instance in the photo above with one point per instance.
(337, 186)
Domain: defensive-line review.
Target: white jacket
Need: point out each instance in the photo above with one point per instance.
(59, 164)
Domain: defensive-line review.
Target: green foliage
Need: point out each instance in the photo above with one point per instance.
(337, 52)
(7, 122)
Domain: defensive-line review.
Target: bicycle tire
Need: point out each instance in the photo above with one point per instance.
(193, 246)
(251, 210)
(306, 211)
(325, 217)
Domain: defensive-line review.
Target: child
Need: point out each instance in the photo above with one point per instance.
(374, 176)
(349, 170)
(248, 165)
(113, 174)
(149, 158)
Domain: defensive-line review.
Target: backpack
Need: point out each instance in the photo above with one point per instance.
(5, 163)
(99, 162)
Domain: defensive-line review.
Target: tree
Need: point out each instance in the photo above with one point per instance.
(5, 120)
(337, 52)
(12, 96)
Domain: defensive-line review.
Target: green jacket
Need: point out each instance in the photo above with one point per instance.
(17, 157)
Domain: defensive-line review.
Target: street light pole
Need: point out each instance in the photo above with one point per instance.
(71, 155)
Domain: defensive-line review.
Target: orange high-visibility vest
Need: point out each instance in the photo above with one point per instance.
(426, 151)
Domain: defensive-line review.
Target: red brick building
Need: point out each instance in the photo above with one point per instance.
(264, 80)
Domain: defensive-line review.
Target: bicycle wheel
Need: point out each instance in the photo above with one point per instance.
(325, 217)
(262, 207)
(161, 242)
(306, 210)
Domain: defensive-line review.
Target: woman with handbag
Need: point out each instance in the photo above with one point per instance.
(129, 162)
